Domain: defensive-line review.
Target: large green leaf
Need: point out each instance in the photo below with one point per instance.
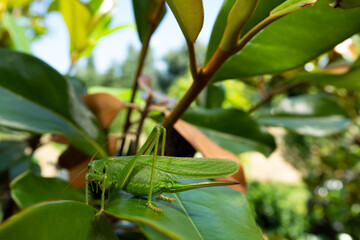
(143, 11)
(189, 15)
(57, 220)
(28, 189)
(151, 233)
(262, 11)
(36, 98)
(349, 80)
(214, 213)
(292, 41)
(232, 129)
(316, 115)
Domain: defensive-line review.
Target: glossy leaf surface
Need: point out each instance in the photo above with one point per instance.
(231, 129)
(189, 15)
(36, 98)
(214, 213)
(316, 115)
(151, 233)
(57, 220)
(28, 189)
(292, 41)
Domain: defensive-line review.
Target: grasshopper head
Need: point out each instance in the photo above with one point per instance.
(91, 167)
(97, 166)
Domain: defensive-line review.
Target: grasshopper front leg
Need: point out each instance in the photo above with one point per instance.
(98, 177)
(147, 148)
(149, 203)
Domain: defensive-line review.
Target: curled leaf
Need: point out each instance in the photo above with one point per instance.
(189, 15)
(104, 106)
(291, 6)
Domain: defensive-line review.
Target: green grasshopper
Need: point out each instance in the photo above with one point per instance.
(147, 174)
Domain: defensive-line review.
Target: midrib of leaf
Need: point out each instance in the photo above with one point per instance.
(82, 133)
(187, 214)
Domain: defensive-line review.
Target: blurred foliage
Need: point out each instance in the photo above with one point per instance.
(31, 24)
(280, 209)
(177, 66)
(331, 170)
(239, 95)
(180, 86)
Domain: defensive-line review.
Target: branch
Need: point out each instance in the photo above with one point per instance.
(192, 59)
(144, 115)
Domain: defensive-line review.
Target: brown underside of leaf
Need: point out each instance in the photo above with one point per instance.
(77, 174)
(104, 106)
(111, 145)
(58, 138)
(209, 149)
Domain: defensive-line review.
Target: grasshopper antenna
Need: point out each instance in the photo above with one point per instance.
(77, 175)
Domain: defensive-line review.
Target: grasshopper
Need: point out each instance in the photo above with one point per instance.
(147, 174)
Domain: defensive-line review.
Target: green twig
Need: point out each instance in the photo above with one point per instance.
(192, 59)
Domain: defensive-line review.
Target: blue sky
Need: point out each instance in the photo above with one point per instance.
(53, 47)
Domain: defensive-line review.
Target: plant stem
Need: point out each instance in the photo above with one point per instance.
(192, 59)
(144, 114)
(255, 30)
(139, 68)
(201, 79)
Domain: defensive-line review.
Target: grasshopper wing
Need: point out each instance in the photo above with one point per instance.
(195, 168)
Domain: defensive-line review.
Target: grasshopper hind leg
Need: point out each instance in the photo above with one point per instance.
(150, 205)
(166, 199)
